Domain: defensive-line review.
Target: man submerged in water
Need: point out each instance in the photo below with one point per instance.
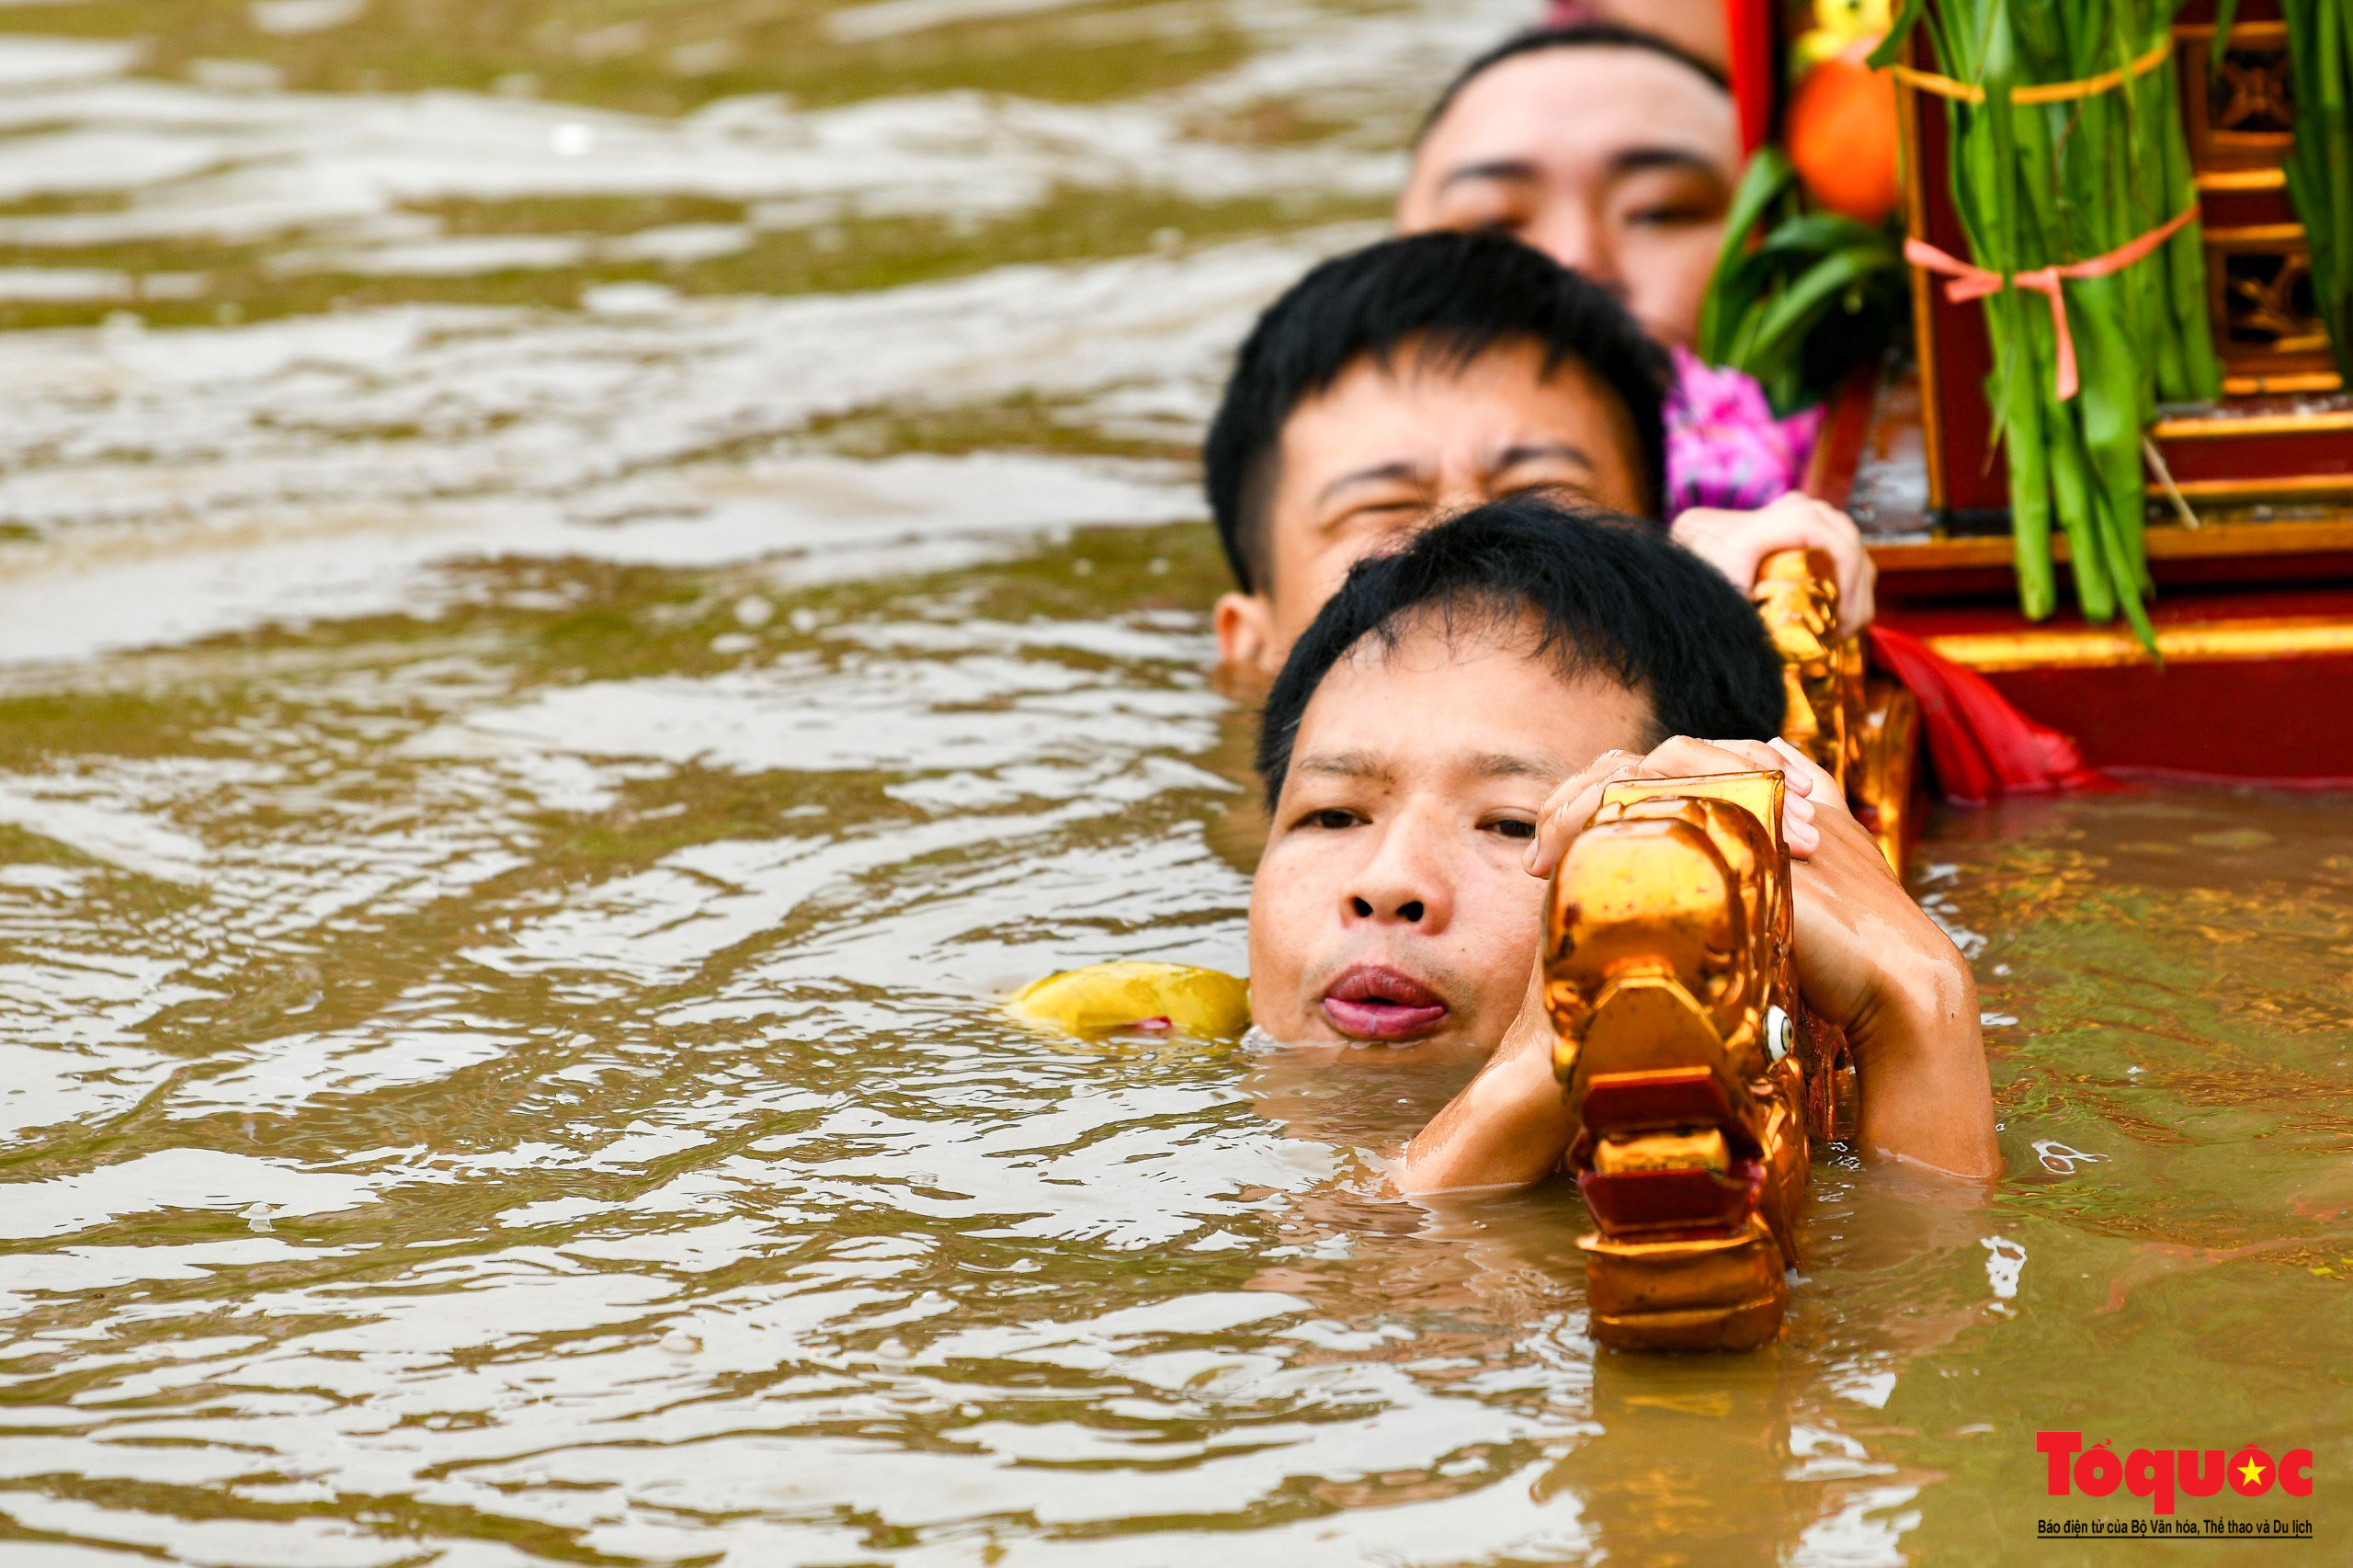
(1421, 375)
(1442, 730)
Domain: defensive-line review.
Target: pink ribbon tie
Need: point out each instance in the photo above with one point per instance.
(1969, 282)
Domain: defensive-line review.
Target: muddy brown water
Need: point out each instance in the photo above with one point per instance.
(582, 585)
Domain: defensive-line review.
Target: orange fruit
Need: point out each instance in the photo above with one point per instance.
(1840, 133)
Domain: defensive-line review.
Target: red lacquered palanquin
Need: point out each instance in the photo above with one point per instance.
(2254, 602)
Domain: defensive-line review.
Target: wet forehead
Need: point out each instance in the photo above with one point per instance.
(1473, 702)
(1582, 108)
(1415, 413)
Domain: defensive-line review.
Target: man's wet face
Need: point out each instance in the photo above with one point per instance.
(1391, 906)
(1617, 162)
(1385, 449)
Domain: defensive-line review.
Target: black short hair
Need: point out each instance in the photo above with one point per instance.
(1456, 295)
(1575, 35)
(1611, 594)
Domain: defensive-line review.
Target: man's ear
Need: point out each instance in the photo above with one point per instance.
(1244, 624)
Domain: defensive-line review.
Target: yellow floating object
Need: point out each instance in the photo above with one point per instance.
(1106, 998)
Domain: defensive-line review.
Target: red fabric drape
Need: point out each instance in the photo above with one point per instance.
(1980, 747)
(1748, 28)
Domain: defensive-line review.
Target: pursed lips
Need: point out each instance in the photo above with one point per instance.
(1375, 1001)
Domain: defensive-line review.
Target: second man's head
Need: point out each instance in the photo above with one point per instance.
(1405, 381)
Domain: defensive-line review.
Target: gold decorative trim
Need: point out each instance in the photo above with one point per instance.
(2243, 179)
(2263, 386)
(2272, 487)
(2257, 235)
(2101, 647)
(2249, 31)
(1923, 336)
(2219, 537)
(2202, 427)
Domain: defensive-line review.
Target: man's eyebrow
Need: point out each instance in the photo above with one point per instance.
(1402, 468)
(1492, 168)
(1537, 451)
(1344, 765)
(1509, 764)
(1634, 160)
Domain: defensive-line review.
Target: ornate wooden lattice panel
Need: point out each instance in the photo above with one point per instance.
(2239, 113)
(2247, 116)
(2272, 453)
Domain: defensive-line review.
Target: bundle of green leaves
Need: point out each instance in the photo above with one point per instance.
(2039, 185)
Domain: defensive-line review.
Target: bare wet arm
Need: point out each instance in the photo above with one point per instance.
(1509, 1127)
(1872, 960)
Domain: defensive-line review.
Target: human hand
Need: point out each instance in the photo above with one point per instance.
(1847, 905)
(1736, 542)
(1571, 805)
(1869, 958)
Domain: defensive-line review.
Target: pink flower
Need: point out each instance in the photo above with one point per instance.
(1725, 447)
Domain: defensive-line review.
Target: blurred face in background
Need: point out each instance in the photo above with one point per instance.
(1616, 160)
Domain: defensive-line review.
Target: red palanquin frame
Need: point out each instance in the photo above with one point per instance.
(2255, 609)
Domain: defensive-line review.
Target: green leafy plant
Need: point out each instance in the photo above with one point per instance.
(1799, 298)
(2044, 184)
(2320, 167)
